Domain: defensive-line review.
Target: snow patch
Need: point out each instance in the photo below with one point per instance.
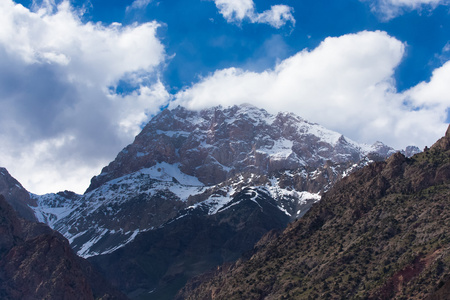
(166, 172)
(216, 201)
(130, 239)
(172, 133)
(325, 135)
(51, 208)
(280, 150)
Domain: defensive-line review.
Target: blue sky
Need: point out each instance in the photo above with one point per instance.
(79, 78)
(204, 41)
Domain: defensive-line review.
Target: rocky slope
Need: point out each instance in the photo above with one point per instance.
(16, 195)
(159, 262)
(185, 159)
(38, 263)
(383, 232)
(216, 144)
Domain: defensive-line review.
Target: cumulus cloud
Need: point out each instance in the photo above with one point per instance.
(61, 119)
(345, 84)
(432, 94)
(389, 9)
(238, 10)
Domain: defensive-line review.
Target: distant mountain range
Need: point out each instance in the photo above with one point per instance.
(194, 190)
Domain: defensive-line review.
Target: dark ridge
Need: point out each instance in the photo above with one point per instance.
(381, 233)
(38, 263)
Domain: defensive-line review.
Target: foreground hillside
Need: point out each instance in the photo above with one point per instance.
(36, 262)
(15, 194)
(381, 233)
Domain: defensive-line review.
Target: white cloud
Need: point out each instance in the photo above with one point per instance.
(239, 10)
(345, 84)
(61, 120)
(432, 94)
(99, 54)
(277, 16)
(412, 3)
(138, 4)
(389, 9)
(235, 10)
(446, 48)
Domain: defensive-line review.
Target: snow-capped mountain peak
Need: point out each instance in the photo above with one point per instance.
(187, 161)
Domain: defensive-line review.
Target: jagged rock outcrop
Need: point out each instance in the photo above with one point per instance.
(443, 144)
(16, 195)
(383, 232)
(36, 262)
(218, 143)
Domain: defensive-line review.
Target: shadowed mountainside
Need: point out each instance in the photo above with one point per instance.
(37, 262)
(381, 233)
(16, 195)
(158, 263)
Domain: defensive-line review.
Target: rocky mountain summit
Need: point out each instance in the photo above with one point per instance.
(196, 161)
(216, 144)
(382, 232)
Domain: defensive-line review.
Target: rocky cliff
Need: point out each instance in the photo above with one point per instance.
(216, 144)
(383, 232)
(16, 195)
(159, 262)
(36, 262)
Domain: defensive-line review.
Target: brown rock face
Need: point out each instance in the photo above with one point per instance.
(10, 227)
(38, 263)
(218, 143)
(16, 195)
(58, 276)
(381, 233)
(443, 144)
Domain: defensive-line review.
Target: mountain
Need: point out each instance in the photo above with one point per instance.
(383, 232)
(16, 195)
(198, 161)
(216, 144)
(36, 262)
(159, 262)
